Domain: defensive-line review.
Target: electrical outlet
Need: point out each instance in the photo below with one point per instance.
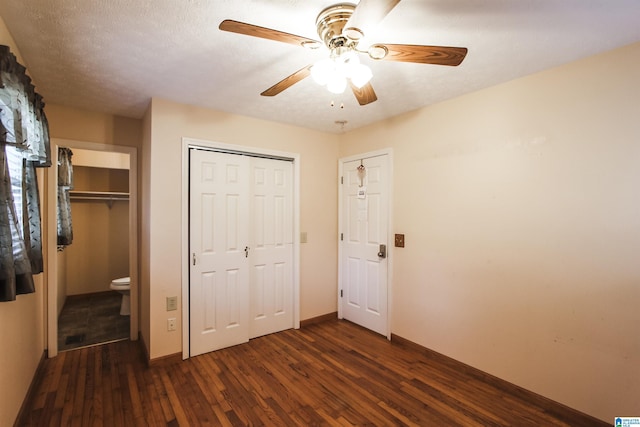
(399, 241)
(172, 303)
(171, 324)
(303, 237)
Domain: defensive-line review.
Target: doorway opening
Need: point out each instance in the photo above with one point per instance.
(83, 308)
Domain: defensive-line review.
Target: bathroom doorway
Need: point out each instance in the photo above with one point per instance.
(90, 312)
(83, 309)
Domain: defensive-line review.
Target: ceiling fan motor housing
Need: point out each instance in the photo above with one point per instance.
(330, 24)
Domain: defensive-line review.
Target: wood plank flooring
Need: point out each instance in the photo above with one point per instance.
(331, 373)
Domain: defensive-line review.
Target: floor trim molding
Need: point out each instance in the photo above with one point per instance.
(319, 319)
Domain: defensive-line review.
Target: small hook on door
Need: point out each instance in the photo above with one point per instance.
(246, 251)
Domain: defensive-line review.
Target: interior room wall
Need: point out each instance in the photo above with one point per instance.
(101, 159)
(170, 122)
(83, 125)
(520, 208)
(61, 273)
(22, 323)
(100, 249)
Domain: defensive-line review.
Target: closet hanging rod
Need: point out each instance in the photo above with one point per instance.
(98, 195)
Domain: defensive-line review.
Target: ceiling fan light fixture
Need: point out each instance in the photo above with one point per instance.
(322, 71)
(360, 75)
(335, 71)
(349, 65)
(346, 63)
(337, 83)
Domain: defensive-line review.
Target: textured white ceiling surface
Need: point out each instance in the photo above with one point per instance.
(115, 55)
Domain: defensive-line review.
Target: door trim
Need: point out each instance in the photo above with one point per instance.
(51, 184)
(390, 250)
(188, 143)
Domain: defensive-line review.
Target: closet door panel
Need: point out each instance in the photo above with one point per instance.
(219, 274)
(271, 289)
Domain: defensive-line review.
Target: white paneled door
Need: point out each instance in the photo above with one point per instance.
(363, 259)
(241, 244)
(271, 256)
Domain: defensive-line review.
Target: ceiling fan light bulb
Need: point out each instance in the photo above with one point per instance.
(322, 70)
(337, 84)
(361, 75)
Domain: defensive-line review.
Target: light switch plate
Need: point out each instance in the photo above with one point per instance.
(172, 303)
(303, 237)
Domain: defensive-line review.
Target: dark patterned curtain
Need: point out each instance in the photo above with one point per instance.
(24, 145)
(65, 183)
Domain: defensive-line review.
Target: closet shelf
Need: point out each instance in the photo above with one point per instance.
(106, 196)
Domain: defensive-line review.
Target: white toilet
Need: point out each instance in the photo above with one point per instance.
(122, 285)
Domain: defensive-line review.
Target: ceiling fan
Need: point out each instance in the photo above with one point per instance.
(341, 28)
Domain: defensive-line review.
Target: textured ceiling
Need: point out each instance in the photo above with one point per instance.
(114, 55)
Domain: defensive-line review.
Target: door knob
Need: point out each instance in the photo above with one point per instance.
(382, 253)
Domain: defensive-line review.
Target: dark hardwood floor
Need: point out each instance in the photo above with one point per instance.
(330, 373)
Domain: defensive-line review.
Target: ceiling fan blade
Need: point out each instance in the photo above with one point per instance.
(365, 95)
(287, 82)
(266, 33)
(438, 55)
(369, 13)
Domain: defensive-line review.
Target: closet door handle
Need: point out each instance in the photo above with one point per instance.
(194, 258)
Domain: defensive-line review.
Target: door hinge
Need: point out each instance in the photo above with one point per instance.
(341, 236)
(341, 293)
(342, 180)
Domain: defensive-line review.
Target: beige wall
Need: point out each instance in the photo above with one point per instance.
(522, 221)
(61, 274)
(170, 122)
(22, 329)
(100, 249)
(81, 125)
(101, 159)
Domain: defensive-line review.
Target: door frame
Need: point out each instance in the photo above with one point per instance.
(51, 203)
(187, 144)
(390, 232)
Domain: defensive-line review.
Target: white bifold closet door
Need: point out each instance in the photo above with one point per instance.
(241, 244)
